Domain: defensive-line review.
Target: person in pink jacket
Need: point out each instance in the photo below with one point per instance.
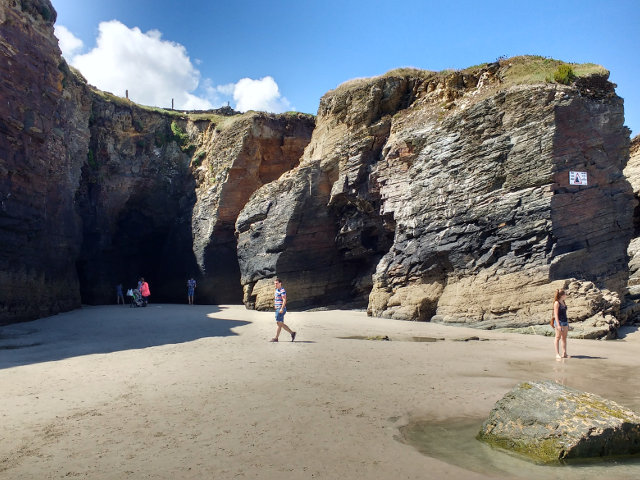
(144, 290)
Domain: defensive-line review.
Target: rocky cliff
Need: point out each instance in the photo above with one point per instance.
(418, 195)
(96, 190)
(239, 155)
(43, 142)
(134, 199)
(447, 197)
(632, 172)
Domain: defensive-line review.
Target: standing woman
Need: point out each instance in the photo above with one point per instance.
(560, 323)
(144, 291)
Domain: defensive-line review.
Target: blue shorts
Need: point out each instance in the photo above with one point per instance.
(561, 324)
(190, 292)
(280, 316)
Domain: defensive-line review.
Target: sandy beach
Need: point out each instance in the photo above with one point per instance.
(194, 392)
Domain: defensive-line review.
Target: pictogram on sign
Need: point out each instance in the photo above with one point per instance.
(577, 178)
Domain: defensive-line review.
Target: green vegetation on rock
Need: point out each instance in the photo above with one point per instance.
(196, 161)
(535, 69)
(182, 139)
(546, 451)
(564, 74)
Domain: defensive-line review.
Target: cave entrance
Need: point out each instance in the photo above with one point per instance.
(150, 239)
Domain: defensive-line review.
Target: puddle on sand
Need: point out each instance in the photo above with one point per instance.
(455, 442)
(386, 338)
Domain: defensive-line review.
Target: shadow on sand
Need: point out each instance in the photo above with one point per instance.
(626, 330)
(106, 329)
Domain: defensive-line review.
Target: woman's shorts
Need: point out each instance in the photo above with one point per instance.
(280, 316)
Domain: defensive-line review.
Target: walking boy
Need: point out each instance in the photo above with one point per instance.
(280, 302)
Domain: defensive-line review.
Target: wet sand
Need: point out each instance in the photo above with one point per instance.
(192, 392)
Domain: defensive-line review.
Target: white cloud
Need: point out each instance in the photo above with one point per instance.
(262, 95)
(153, 70)
(69, 43)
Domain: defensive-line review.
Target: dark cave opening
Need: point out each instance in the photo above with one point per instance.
(150, 238)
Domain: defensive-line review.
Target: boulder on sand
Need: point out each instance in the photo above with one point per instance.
(547, 422)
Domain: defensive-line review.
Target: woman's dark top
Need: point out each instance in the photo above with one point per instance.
(562, 315)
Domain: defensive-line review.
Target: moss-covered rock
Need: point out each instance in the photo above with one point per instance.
(547, 422)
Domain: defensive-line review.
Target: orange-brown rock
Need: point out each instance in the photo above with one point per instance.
(238, 156)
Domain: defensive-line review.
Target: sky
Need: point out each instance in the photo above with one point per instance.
(283, 55)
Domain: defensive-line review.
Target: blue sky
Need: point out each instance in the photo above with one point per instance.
(284, 55)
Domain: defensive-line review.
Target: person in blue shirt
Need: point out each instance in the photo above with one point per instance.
(119, 295)
(280, 304)
(191, 288)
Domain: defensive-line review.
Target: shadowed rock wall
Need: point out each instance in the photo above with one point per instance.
(632, 172)
(96, 190)
(135, 200)
(43, 117)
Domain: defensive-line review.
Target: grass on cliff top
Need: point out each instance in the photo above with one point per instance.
(535, 69)
(525, 69)
(221, 122)
(125, 102)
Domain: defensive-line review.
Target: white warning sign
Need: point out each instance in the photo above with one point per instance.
(577, 178)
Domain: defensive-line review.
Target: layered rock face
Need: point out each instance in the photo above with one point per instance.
(96, 190)
(43, 130)
(239, 156)
(632, 172)
(419, 195)
(135, 200)
(318, 226)
(455, 189)
(487, 225)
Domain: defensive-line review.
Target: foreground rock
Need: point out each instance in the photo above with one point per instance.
(547, 422)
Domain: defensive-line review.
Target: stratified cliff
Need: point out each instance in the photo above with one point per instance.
(43, 142)
(160, 193)
(418, 195)
(454, 188)
(632, 172)
(96, 190)
(134, 199)
(238, 156)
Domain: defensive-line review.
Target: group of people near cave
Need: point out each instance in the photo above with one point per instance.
(142, 290)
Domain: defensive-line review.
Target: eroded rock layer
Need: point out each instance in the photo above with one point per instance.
(455, 189)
